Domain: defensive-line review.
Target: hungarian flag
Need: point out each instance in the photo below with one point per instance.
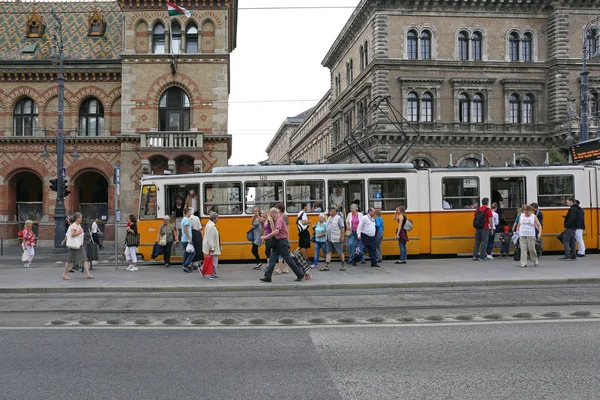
(176, 10)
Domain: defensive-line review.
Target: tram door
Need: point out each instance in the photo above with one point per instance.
(343, 193)
(509, 193)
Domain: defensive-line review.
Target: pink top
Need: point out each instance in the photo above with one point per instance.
(355, 221)
(283, 230)
(267, 227)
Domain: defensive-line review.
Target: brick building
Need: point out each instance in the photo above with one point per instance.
(475, 79)
(143, 91)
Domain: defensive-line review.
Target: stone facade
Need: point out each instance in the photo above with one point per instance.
(128, 102)
(470, 82)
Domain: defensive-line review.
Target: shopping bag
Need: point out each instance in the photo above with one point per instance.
(24, 256)
(157, 250)
(190, 248)
(207, 266)
(517, 253)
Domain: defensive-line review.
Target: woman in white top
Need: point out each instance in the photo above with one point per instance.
(528, 223)
(75, 244)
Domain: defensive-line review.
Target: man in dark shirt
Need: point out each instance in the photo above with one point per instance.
(570, 226)
(482, 235)
(579, 232)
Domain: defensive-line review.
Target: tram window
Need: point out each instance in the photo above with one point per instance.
(460, 193)
(263, 195)
(177, 197)
(553, 191)
(387, 194)
(223, 198)
(148, 204)
(311, 192)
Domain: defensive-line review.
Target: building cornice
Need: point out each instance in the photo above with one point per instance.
(15, 76)
(477, 81)
(519, 81)
(423, 79)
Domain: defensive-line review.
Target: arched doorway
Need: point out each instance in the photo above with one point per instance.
(27, 193)
(158, 164)
(92, 192)
(184, 165)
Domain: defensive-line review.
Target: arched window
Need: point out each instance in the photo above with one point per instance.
(594, 109)
(513, 46)
(526, 47)
(91, 118)
(366, 46)
(175, 37)
(25, 118)
(528, 102)
(362, 58)
(477, 108)
(427, 107)
(592, 42)
(412, 107)
(412, 44)
(174, 110)
(158, 39)
(514, 109)
(421, 163)
(464, 109)
(463, 46)
(476, 44)
(469, 162)
(191, 39)
(425, 45)
(521, 162)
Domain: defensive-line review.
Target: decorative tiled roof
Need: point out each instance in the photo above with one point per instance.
(77, 45)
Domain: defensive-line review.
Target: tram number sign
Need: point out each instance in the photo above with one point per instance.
(264, 178)
(586, 151)
(470, 183)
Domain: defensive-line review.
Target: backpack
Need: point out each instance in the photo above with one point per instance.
(408, 225)
(479, 220)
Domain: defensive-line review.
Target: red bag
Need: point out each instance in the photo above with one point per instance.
(207, 266)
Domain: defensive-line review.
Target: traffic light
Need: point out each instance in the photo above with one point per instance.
(67, 191)
(54, 185)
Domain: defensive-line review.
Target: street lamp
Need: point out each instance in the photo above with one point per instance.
(590, 31)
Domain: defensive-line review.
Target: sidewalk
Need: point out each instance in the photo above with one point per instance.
(44, 276)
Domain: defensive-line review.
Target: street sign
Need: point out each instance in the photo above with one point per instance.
(118, 216)
(64, 172)
(117, 179)
(586, 151)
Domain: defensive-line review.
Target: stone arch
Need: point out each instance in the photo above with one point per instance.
(184, 164)
(158, 164)
(141, 36)
(425, 156)
(113, 97)
(17, 166)
(521, 156)
(208, 29)
(162, 83)
(89, 91)
(14, 96)
(82, 165)
(473, 156)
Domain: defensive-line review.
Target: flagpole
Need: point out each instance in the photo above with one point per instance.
(171, 35)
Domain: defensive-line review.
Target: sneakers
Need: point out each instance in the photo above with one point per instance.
(314, 266)
(536, 263)
(489, 257)
(187, 269)
(134, 269)
(325, 268)
(354, 263)
(475, 259)
(258, 266)
(214, 277)
(342, 268)
(129, 268)
(523, 266)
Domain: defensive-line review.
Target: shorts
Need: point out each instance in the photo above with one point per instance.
(337, 248)
(304, 239)
(131, 254)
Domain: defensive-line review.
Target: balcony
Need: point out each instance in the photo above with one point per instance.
(172, 140)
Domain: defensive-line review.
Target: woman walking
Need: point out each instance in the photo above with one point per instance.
(28, 242)
(352, 221)
(131, 244)
(320, 239)
(256, 227)
(378, 234)
(75, 244)
(167, 235)
(528, 223)
(211, 245)
(401, 234)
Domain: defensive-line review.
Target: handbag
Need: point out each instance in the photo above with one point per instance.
(190, 248)
(163, 240)
(24, 256)
(250, 235)
(157, 250)
(73, 243)
(132, 239)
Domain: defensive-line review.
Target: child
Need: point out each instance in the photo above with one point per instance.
(505, 239)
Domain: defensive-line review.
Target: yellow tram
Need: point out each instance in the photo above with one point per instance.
(440, 201)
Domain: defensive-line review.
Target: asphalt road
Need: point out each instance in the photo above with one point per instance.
(550, 360)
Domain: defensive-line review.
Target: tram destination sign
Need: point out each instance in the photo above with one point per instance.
(586, 151)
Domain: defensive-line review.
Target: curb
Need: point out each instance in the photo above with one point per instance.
(296, 287)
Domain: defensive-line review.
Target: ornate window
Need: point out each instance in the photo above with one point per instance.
(427, 107)
(513, 46)
(412, 44)
(592, 42)
(425, 45)
(96, 24)
(412, 107)
(469, 162)
(463, 46)
(526, 48)
(477, 108)
(174, 110)
(514, 104)
(476, 44)
(91, 118)
(175, 37)
(528, 102)
(25, 118)
(464, 109)
(158, 39)
(191, 39)
(35, 26)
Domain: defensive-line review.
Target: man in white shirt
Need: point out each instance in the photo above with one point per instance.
(336, 199)
(366, 233)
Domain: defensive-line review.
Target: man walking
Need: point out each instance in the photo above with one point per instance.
(571, 224)
(579, 231)
(281, 246)
(335, 238)
(483, 222)
(186, 238)
(366, 232)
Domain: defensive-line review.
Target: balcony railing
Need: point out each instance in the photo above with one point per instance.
(171, 140)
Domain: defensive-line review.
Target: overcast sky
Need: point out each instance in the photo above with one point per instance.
(276, 69)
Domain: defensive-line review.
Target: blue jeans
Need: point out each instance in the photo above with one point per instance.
(187, 257)
(318, 247)
(481, 240)
(352, 242)
(403, 252)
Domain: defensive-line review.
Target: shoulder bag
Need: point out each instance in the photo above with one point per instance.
(132, 239)
(73, 243)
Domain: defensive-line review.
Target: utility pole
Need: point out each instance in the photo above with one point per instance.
(60, 213)
(590, 29)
